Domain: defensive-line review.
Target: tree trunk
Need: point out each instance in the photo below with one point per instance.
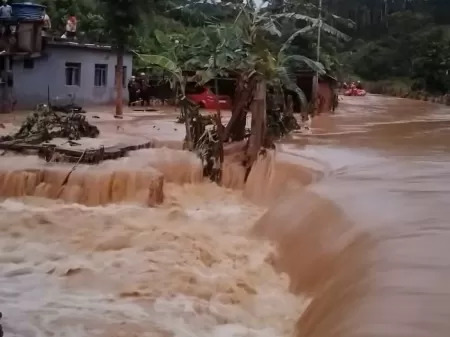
(258, 108)
(119, 83)
(218, 122)
(243, 97)
(189, 144)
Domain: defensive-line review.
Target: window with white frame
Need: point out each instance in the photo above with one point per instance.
(101, 73)
(73, 74)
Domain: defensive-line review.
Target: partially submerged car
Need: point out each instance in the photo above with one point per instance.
(207, 99)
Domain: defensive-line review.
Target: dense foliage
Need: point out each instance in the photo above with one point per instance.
(407, 41)
(401, 39)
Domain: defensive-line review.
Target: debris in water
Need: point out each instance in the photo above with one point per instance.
(44, 124)
(72, 271)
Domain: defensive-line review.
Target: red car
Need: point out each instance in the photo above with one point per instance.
(207, 99)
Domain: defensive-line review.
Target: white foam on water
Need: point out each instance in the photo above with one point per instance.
(186, 268)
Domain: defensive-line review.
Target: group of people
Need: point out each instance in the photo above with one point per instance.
(141, 89)
(353, 85)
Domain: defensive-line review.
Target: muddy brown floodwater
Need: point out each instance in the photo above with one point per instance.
(370, 241)
(347, 236)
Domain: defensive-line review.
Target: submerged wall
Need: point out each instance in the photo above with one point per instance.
(138, 178)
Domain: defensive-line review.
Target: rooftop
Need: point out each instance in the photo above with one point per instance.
(58, 42)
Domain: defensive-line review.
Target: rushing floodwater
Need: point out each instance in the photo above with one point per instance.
(389, 171)
(365, 247)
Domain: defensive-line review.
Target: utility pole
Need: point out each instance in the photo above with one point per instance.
(319, 30)
(319, 27)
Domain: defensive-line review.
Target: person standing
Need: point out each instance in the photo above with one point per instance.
(132, 91)
(5, 16)
(47, 22)
(71, 28)
(5, 10)
(45, 29)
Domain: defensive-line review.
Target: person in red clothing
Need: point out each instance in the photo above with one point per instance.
(71, 28)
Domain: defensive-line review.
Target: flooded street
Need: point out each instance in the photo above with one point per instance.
(388, 164)
(355, 246)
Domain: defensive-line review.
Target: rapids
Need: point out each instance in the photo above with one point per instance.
(342, 233)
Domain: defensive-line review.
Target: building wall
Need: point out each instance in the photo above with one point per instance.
(326, 92)
(49, 71)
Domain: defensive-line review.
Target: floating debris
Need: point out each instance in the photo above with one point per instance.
(44, 124)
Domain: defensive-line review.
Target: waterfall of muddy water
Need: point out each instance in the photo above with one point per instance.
(185, 268)
(136, 178)
(370, 242)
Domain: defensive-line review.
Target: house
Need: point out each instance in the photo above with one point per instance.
(85, 72)
(327, 84)
(35, 68)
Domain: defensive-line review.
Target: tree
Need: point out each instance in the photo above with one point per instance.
(121, 18)
(251, 46)
(414, 50)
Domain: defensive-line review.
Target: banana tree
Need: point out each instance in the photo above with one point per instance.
(216, 45)
(172, 67)
(252, 49)
(265, 61)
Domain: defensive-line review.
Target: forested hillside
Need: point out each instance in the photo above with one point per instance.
(403, 40)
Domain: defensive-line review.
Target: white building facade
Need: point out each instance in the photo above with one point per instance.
(67, 69)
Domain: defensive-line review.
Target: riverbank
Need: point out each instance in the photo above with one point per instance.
(402, 89)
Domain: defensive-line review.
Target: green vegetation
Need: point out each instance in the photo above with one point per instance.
(247, 44)
(395, 46)
(391, 39)
(400, 44)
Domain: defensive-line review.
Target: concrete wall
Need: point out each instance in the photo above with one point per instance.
(30, 85)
